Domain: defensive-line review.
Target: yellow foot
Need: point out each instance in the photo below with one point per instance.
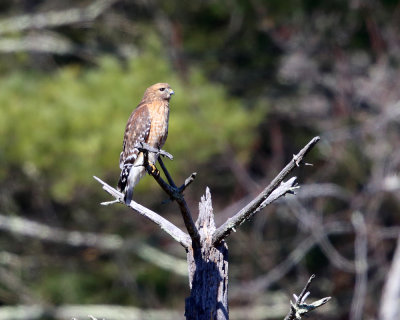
(153, 168)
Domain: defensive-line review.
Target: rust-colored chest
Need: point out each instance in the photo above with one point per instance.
(159, 114)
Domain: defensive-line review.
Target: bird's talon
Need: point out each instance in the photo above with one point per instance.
(153, 168)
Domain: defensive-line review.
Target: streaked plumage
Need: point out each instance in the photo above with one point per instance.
(148, 123)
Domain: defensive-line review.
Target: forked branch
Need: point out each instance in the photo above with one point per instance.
(173, 191)
(300, 307)
(276, 189)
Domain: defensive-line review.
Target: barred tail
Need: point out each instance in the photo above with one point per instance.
(123, 178)
(129, 178)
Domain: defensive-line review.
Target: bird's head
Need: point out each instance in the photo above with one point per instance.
(159, 91)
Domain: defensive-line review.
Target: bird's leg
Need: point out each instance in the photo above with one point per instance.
(154, 169)
(169, 178)
(151, 168)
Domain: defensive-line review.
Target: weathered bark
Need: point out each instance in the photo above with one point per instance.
(207, 252)
(208, 270)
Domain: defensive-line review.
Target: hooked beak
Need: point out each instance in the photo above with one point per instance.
(171, 92)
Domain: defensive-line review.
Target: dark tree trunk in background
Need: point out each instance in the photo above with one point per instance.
(208, 270)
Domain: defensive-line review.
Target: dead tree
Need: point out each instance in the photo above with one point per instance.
(207, 251)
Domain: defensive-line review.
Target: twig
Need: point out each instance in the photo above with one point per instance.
(285, 187)
(175, 194)
(300, 307)
(163, 223)
(182, 188)
(187, 182)
(248, 211)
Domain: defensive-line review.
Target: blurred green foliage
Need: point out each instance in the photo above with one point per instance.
(254, 81)
(66, 126)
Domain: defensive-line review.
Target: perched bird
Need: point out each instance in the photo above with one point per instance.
(148, 123)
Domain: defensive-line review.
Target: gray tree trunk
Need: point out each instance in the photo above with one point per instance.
(208, 270)
(207, 252)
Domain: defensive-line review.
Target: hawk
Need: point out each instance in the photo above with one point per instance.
(148, 123)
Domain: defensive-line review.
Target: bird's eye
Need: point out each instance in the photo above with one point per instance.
(162, 89)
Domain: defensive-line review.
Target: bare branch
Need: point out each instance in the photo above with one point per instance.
(389, 306)
(174, 193)
(361, 263)
(187, 182)
(163, 223)
(54, 18)
(105, 242)
(391, 232)
(48, 43)
(41, 231)
(171, 189)
(285, 187)
(261, 284)
(308, 219)
(168, 176)
(16, 286)
(277, 309)
(163, 260)
(300, 307)
(307, 191)
(320, 190)
(254, 206)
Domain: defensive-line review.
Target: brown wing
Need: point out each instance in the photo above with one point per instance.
(137, 130)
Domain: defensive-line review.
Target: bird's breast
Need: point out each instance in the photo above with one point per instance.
(159, 125)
